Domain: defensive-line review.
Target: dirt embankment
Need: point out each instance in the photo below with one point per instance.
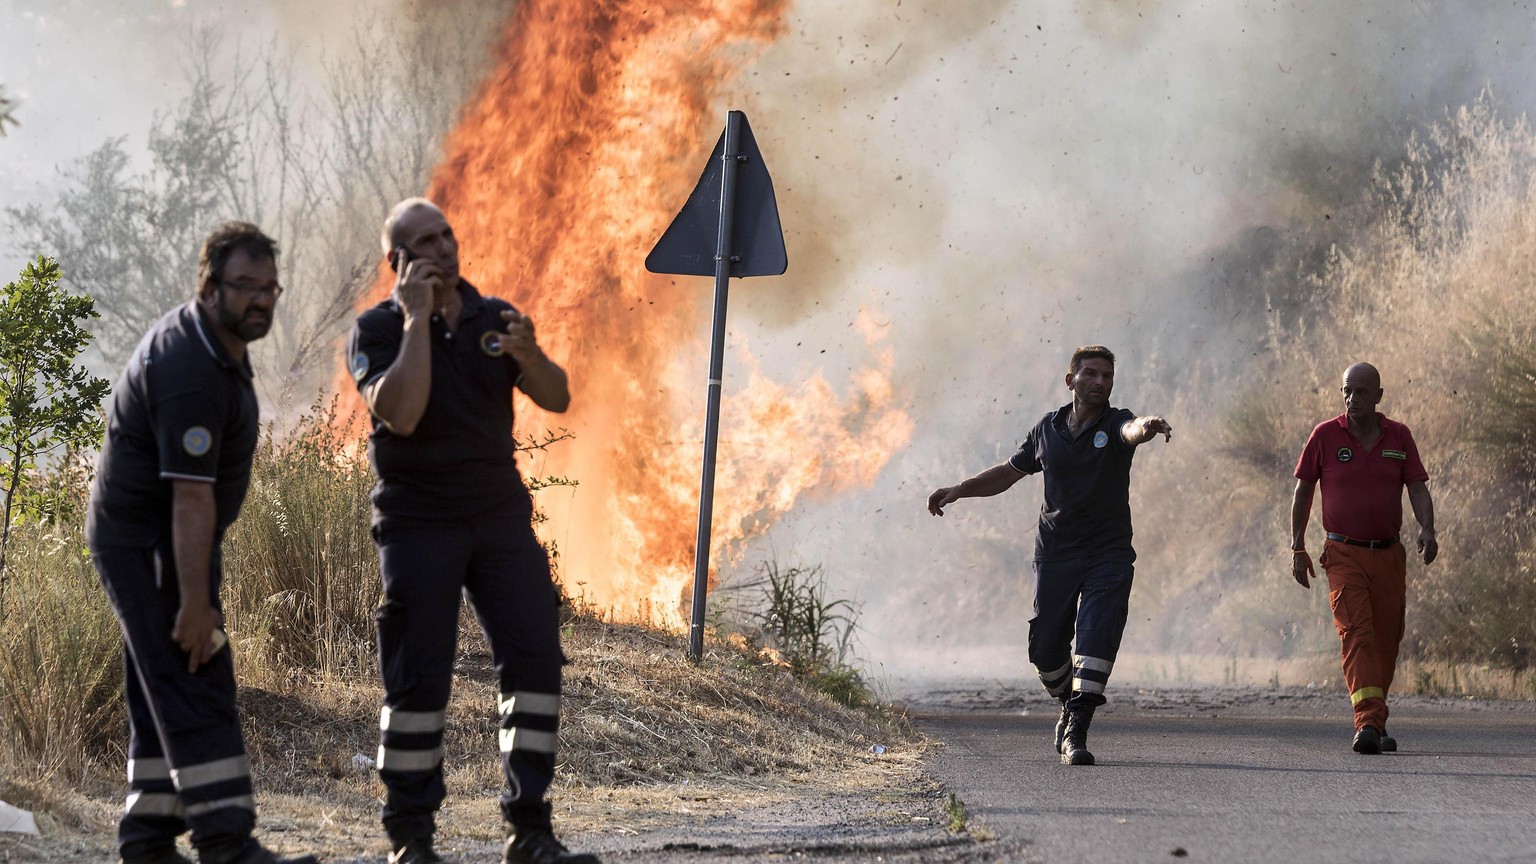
(661, 760)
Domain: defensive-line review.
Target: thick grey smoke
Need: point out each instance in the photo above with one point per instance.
(1005, 181)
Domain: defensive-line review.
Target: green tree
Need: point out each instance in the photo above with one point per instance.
(46, 401)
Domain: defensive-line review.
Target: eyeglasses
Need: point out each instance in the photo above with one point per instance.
(245, 289)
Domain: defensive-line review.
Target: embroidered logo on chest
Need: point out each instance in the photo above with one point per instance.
(1394, 454)
(1345, 454)
(196, 441)
(1100, 439)
(490, 343)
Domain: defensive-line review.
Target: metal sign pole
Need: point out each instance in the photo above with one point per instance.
(728, 228)
(723, 257)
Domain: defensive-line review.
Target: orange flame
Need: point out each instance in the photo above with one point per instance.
(564, 170)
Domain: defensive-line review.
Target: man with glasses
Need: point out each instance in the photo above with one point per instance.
(1363, 461)
(436, 364)
(172, 475)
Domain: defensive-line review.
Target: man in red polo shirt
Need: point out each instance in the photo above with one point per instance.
(1363, 461)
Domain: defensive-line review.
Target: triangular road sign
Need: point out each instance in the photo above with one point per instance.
(757, 241)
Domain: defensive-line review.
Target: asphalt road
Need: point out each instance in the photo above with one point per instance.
(1235, 777)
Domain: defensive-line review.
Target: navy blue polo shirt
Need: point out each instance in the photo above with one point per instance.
(183, 409)
(460, 459)
(1087, 507)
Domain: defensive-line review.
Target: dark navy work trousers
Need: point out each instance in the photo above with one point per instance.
(495, 561)
(187, 765)
(1088, 596)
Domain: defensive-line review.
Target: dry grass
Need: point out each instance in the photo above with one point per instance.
(301, 587)
(1428, 277)
(300, 565)
(635, 712)
(645, 737)
(60, 667)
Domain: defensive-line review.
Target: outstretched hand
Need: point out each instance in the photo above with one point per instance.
(942, 498)
(1157, 426)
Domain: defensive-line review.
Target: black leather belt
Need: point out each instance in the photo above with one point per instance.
(1369, 544)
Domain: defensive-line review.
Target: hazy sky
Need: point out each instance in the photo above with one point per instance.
(88, 70)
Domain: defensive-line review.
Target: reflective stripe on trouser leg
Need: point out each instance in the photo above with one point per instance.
(193, 715)
(422, 570)
(411, 766)
(220, 784)
(411, 741)
(1365, 693)
(152, 816)
(513, 595)
(530, 724)
(1102, 608)
(1057, 682)
(1050, 628)
(1090, 674)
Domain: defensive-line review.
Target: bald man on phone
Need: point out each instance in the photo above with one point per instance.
(436, 364)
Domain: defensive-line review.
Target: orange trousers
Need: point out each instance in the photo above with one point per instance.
(1367, 590)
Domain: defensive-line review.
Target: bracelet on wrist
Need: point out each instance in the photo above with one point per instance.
(1302, 549)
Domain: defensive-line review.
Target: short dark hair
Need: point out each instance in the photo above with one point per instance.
(224, 241)
(1089, 352)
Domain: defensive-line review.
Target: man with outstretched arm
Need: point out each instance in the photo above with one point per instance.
(436, 364)
(1083, 555)
(1363, 461)
(172, 475)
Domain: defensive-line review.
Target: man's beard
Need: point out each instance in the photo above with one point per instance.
(247, 328)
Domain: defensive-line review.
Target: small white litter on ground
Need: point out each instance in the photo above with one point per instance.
(15, 820)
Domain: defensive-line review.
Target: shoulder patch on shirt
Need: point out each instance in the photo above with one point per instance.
(1100, 439)
(1346, 454)
(359, 366)
(490, 343)
(1394, 454)
(196, 441)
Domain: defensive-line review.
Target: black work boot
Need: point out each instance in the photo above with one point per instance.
(1368, 741)
(147, 852)
(532, 840)
(1061, 725)
(1074, 743)
(1388, 743)
(539, 846)
(418, 851)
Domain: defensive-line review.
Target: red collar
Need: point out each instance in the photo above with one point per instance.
(1385, 422)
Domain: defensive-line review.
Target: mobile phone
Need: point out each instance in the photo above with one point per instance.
(398, 258)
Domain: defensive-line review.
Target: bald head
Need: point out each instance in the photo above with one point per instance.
(389, 236)
(419, 228)
(1362, 393)
(1364, 375)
